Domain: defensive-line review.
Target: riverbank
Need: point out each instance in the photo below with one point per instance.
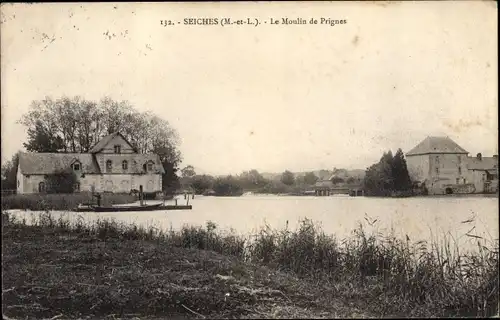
(60, 201)
(106, 269)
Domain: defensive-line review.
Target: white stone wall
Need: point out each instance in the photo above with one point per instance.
(438, 170)
(30, 183)
(418, 167)
(123, 183)
(116, 183)
(478, 178)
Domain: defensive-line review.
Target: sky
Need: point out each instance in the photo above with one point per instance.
(267, 97)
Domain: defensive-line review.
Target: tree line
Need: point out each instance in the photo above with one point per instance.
(247, 181)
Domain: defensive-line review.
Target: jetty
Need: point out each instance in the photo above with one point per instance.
(137, 206)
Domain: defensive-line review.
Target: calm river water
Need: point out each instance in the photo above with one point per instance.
(419, 218)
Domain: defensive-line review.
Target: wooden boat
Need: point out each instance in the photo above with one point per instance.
(84, 208)
(149, 207)
(176, 207)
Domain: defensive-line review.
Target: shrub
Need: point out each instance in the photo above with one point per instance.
(227, 186)
(62, 181)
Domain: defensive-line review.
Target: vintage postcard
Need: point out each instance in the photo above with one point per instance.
(249, 160)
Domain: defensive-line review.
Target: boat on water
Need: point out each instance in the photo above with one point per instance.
(121, 208)
(133, 207)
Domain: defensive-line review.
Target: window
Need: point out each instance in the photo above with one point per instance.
(150, 166)
(437, 170)
(458, 180)
(41, 187)
(109, 166)
(117, 148)
(76, 166)
(124, 165)
(77, 187)
(459, 170)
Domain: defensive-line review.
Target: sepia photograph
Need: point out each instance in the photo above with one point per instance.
(249, 160)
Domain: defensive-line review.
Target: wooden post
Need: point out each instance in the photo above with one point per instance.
(92, 192)
(141, 196)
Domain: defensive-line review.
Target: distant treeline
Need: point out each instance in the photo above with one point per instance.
(253, 181)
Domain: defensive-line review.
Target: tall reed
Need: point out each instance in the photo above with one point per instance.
(424, 278)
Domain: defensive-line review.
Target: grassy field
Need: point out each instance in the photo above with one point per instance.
(55, 268)
(40, 202)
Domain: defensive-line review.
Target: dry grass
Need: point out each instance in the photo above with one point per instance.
(56, 267)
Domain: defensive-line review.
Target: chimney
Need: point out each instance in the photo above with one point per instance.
(479, 156)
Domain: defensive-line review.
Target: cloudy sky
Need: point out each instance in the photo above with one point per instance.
(271, 97)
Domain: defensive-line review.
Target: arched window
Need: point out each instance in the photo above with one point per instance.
(109, 166)
(124, 165)
(41, 187)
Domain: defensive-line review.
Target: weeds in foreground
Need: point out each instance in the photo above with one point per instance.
(395, 276)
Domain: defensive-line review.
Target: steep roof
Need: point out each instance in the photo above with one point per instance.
(486, 163)
(47, 163)
(437, 145)
(107, 139)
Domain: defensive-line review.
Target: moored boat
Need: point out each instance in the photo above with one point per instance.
(121, 208)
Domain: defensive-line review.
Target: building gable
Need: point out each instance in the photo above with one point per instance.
(109, 143)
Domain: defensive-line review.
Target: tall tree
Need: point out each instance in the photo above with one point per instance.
(252, 180)
(390, 174)
(202, 183)
(9, 173)
(188, 171)
(401, 177)
(310, 178)
(288, 178)
(42, 139)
